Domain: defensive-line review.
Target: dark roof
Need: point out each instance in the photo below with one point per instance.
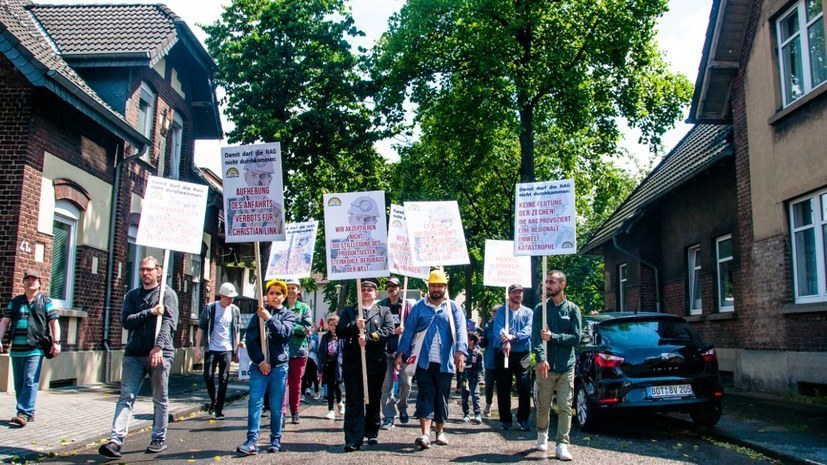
(702, 147)
(24, 44)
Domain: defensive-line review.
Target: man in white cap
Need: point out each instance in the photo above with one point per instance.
(218, 328)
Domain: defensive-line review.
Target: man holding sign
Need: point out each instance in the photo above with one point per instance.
(362, 419)
(512, 332)
(145, 354)
(555, 369)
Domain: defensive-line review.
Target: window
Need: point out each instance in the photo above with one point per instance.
(802, 54)
(808, 218)
(726, 299)
(196, 286)
(176, 133)
(694, 259)
(621, 277)
(134, 256)
(64, 248)
(146, 113)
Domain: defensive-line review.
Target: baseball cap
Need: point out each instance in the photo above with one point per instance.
(515, 287)
(392, 281)
(227, 290)
(31, 272)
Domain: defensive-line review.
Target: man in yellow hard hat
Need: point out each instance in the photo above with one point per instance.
(441, 325)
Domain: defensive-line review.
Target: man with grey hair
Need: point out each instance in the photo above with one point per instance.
(145, 354)
(218, 327)
(555, 369)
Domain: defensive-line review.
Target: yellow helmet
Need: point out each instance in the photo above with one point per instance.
(276, 282)
(437, 277)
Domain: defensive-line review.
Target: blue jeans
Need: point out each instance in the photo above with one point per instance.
(26, 381)
(276, 381)
(470, 388)
(133, 371)
(434, 390)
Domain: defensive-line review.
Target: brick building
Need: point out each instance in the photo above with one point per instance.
(738, 245)
(93, 100)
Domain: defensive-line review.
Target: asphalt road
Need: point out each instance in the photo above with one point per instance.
(316, 440)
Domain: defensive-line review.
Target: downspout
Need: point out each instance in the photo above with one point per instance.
(616, 243)
(110, 261)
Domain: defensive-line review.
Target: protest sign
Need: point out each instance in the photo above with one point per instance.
(502, 268)
(292, 258)
(435, 233)
(545, 218)
(172, 216)
(356, 235)
(399, 248)
(243, 363)
(253, 193)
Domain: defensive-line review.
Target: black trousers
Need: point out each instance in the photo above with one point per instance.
(334, 391)
(362, 421)
(518, 368)
(220, 360)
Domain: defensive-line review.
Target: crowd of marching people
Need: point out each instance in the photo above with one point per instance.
(364, 363)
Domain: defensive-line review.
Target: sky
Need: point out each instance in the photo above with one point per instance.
(680, 35)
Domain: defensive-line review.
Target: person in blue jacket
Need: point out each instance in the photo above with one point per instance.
(513, 344)
(268, 371)
(443, 352)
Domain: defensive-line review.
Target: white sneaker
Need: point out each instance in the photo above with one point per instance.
(442, 439)
(341, 408)
(563, 452)
(542, 440)
(331, 415)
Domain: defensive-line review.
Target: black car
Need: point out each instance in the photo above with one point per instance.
(644, 361)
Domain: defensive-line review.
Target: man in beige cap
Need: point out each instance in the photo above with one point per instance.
(218, 327)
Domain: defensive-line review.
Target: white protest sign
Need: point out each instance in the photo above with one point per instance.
(545, 218)
(435, 233)
(243, 363)
(356, 235)
(502, 268)
(253, 193)
(399, 249)
(292, 258)
(172, 216)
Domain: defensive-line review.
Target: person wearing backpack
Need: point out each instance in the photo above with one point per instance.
(34, 333)
(218, 328)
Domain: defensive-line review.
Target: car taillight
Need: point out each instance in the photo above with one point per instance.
(710, 356)
(608, 360)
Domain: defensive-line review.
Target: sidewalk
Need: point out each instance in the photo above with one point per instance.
(69, 418)
(793, 432)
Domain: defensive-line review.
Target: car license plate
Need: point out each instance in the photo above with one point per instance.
(678, 390)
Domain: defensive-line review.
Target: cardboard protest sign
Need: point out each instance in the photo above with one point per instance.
(399, 249)
(502, 268)
(435, 233)
(172, 217)
(253, 193)
(292, 258)
(356, 235)
(545, 221)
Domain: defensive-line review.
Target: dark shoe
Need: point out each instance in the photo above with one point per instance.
(248, 448)
(505, 426)
(524, 426)
(20, 420)
(275, 446)
(265, 413)
(156, 446)
(295, 419)
(373, 441)
(403, 417)
(110, 449)
(211, 408)
(351, 447)
(219, 415)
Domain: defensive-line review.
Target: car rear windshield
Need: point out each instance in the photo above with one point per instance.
(648, 333)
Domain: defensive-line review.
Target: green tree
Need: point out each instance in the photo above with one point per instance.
(512, 91)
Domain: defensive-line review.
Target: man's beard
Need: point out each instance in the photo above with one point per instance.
(436, 295)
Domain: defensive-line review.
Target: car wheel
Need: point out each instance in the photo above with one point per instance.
(706, 415)
(587, 416)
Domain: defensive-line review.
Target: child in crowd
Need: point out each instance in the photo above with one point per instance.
(270, 372)
(471, 379)
(330, 365)
(311, 378)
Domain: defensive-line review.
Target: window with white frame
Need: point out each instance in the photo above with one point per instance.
(195, 306)
(176, 134)
(146, 113)
(694, 260)
(134, 254)
(802, 54)
(64, 251)
(808, 223)
(726, 283)
(621, 287)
